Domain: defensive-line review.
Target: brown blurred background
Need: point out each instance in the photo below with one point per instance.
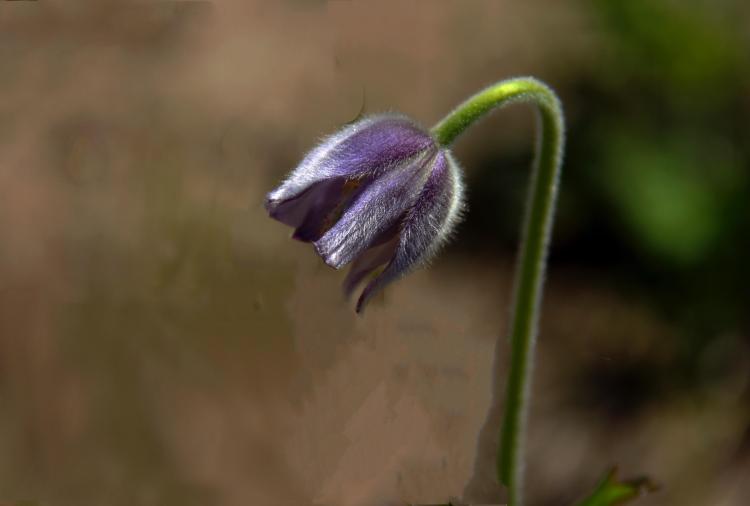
(163, 342)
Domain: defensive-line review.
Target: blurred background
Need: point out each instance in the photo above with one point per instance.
(163, 342)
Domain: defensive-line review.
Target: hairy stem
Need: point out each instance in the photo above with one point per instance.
(529, 278)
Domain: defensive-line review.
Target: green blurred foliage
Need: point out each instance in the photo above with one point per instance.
(666, 124)
(673, 195)
(672, 165)
(692, 50)
(610, 491)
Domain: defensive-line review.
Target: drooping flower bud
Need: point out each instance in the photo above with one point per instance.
(380, 194)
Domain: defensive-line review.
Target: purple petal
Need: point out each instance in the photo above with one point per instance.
(377, 255)
(383, 203)
(366, 148)
(426, 226)
(296, 210)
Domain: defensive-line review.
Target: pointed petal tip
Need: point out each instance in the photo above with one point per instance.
(268, 203)
(348, 289)
(361, 304)
(330, 259)
(372, 288)
(297, 236)
(275, 196)
(271, 205)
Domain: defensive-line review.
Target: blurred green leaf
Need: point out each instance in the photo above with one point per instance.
(679, 45)
(670, 190)
(610, 491)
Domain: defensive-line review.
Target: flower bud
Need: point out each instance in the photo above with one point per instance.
(380, 194)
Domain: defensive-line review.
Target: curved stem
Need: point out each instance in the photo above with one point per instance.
(533, 252)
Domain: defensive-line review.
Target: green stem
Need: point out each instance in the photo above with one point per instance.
(532, 257)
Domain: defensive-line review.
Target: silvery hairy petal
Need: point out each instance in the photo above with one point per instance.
(425, 227)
